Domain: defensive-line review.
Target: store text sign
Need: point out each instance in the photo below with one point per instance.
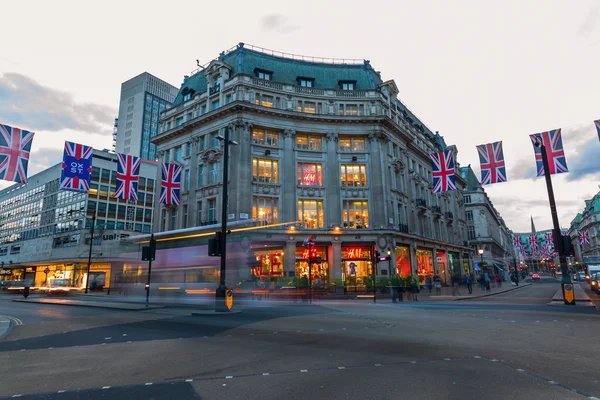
(354, 253)
(310, 178)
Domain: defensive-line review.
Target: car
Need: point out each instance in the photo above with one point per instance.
(59, 286)
(581, 276)
(19, 286)
(595, 282)
(535, 276)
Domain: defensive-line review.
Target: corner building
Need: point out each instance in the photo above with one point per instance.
(325, 149)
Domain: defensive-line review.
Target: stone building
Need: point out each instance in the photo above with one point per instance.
(324, 148)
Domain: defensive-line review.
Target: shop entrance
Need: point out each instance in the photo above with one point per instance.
(316, 272)
(357, 268)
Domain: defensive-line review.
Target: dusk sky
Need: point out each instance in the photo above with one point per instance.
(475, 71)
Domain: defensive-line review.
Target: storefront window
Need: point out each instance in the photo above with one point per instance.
(318, 271)
(424, 264)
(356, 214)
(357, 267)
(466, 268)
(454, 265)
(441, 265)
(270, 263)
(310, 174)
(403, 261)
(310, 213)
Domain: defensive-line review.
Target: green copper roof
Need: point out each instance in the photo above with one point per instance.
(287, 71)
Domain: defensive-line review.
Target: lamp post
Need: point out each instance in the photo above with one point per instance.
(389, 255)
(566, 278)
(89, 265)
(481, 250)
(220, 305)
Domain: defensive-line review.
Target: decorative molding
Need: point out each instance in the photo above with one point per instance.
(331, 136)
(287, 133)
(398, 165)
(210, 156)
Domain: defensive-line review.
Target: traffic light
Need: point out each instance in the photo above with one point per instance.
(214, 245)
(149, 252)
(379, 257)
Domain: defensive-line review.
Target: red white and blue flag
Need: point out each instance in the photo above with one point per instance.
(170, 186)
(584, 238)
(76, 167)
(550, 239)
(516, 241)
(443, 171)
(597, 123)
(491, 158)
(15, 146)
(533, 241)
(557, 162)
(128, 175)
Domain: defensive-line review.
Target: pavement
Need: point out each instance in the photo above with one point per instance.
(510, 345)
(463, 294)
(97, 303)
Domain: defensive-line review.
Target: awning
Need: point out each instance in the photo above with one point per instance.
(499, 267)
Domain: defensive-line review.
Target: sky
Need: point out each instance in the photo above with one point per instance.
(475, 71)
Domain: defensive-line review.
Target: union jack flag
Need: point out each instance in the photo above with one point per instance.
(516, 241)
(76, 167)
(533, 241)
(491, 158)
(443, 171)
(170, 184)
(564, 232)
(15, 146)
(597, 123)
(557, 162)
(128, 175)
(584, 238)
(550, 239)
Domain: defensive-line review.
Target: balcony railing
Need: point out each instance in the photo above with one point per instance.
(449, 215)
(403, 228)
(436, 210)
(422, 203)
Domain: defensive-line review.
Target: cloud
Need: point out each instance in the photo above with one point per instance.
(42, 158)
(586, 162)
(277, 23)
(525, 168)
(589, 22)
(29, 105)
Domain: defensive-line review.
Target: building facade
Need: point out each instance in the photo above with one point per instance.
(45, 231)
(589, 221)
(486, 229)
(322, 149)
(143, 98)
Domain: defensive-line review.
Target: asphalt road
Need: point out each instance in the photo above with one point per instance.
(511, 345)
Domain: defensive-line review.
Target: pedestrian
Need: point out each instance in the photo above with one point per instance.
(486, 279)
(437, 282)
(396, 293)
(499, 281)
(455, 286)
(414, 289)
(429, 283)
(469, 282)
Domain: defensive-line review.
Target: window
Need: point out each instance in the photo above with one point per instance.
(212, 210)
(469, 215)
(188, 147)
(95, 174)
(265, 170)
(347, 85)
(307, 107)
(467, 199)
(265, 137)
(305, 82)
(264, 75)
(199, 213)
(201, 143)
(228, 99)
(186, 180)
(214, 173)
(355, 214)
(178, 153)
(163, 222)
(185, 215)
(349, 109)
(214, 142)
(187, 96)
(200, 175)
(310, 174)
(351, 144)
(264, 100)
(173, 219)
(308, 142)
(179, 121)
(471, 232)
(264, 209)
(215, 104)
(310, 213)
(353, 175)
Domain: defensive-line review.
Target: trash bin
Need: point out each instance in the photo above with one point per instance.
(26, 291)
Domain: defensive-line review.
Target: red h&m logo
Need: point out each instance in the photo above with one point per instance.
(310, 178)
(354, 253)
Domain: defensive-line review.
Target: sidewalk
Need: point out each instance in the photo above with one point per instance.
(113, 305)
(581, 297)
(465, 295)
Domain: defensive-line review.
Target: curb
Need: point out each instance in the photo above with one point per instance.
(5, 327)
(494, 294)
(214, 313)
(107, 307)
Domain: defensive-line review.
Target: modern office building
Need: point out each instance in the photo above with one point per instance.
(323, 148)
(45, 232)
(143, 98)
(486, 229)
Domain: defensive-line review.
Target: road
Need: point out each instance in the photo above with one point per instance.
(508, 345)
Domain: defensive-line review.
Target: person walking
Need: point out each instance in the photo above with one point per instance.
(498, 281)
(469, 282)
(455, 285)
(414, 289)
(429, 283)
(437, 282)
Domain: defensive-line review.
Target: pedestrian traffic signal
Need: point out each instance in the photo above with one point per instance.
(149, 252)
(379, 257)
(214, 245)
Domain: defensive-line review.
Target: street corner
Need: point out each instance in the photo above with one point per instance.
(6, 325)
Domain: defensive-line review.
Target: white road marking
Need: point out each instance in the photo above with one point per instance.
(266, 374)
(103, 344)
(447, 359)
(22, 350)
(320, 330)
(17, 395)
(493, 360)
(189, 380)
(476, 357)
(107, 338)
(124, 334)
(50, 348)
(303, 370)
(520, 370)
(553, 383)
(378, 365)
(229, 377)
(537, 321)
(341, 367)
(61, 391)
(413, 362)
(105, 387)
(129, 341)
(148, 383)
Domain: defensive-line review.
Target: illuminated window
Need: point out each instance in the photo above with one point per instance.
(310, 174)
(349, 109)
(310, 213)
(264, 100)
(355, 214)
(264, 209)
(308, 142)
(265, 170)
(265, 137)
(353, 175)
(352, 144)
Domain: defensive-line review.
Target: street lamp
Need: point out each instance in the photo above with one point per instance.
(87, 277)
(220, 305)
(389, 256)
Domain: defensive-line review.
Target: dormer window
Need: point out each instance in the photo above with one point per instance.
(305, 82)
(187, 94)
(263, 74)
(348, 85)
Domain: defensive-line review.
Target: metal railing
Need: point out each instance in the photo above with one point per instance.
(421, 203)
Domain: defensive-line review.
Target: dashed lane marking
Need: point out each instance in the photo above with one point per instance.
(266, 374)
(105, 387)
(189, 380)
(148, 383)
(303, 370)
(229, 377)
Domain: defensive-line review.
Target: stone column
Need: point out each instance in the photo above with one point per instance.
(335, 265)
(378, 196)
(414, 266)
(236, 167)
(287, 177)
(192, 199)
(289, 258)
(333, 212)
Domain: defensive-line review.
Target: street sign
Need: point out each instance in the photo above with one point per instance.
(569, 293)
(46, 271)
(229, 298)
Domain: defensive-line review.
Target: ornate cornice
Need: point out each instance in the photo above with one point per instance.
(287, 133)
(331, 136)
